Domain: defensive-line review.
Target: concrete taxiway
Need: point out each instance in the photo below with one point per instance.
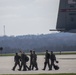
(67, 64)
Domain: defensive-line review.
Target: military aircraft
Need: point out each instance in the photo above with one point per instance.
(66, 20)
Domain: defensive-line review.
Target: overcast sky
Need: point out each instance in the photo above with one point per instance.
(23, 17)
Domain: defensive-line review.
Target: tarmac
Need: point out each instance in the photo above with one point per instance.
(67, 64)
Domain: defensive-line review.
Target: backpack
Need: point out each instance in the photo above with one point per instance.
(56, 67)
(26, 58)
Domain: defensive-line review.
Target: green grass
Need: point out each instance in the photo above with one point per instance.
(42, 74)
(56, 53)
(7, 54)
(65, 53)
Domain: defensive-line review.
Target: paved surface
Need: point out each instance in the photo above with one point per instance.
(67, 64)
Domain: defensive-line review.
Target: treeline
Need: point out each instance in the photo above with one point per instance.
(54, 42)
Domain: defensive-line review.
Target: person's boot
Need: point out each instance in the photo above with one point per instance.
(19, 69)
(36, 68)
(43, 69)
(13, 69)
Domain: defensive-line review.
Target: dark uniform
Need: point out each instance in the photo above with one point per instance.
(31, 57)
(34, 61)
(47, 57)
(53, 58)
(17, 61)
(23, 62)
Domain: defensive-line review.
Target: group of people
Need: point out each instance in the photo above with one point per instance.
(22, 59)
(50, 57)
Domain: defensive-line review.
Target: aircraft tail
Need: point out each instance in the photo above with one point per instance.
(66, 20)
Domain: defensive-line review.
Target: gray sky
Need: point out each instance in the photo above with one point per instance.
(23, 17)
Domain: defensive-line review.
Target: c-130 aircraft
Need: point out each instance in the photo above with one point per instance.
(66, 20)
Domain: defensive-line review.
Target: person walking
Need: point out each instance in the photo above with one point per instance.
(23, 62)
(47, 57)
(34, 61)
(31, 57)
(53, 59)
(17, 61)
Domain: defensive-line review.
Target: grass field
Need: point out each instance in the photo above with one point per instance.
(42, 74)
(56, 53)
